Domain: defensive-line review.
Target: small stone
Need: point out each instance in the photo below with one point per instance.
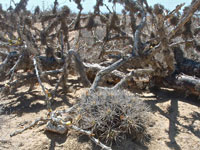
(60, 129)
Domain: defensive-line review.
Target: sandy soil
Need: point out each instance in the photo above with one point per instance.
(176, 123)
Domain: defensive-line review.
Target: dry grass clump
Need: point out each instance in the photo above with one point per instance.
(113, 115)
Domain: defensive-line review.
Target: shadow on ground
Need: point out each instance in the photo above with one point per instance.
(164, 95)
(55, 139)
(127, 144)
(28, 102)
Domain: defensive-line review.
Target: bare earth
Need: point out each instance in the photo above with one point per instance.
(176, 123)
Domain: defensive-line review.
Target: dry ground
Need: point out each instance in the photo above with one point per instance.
(176, 122)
